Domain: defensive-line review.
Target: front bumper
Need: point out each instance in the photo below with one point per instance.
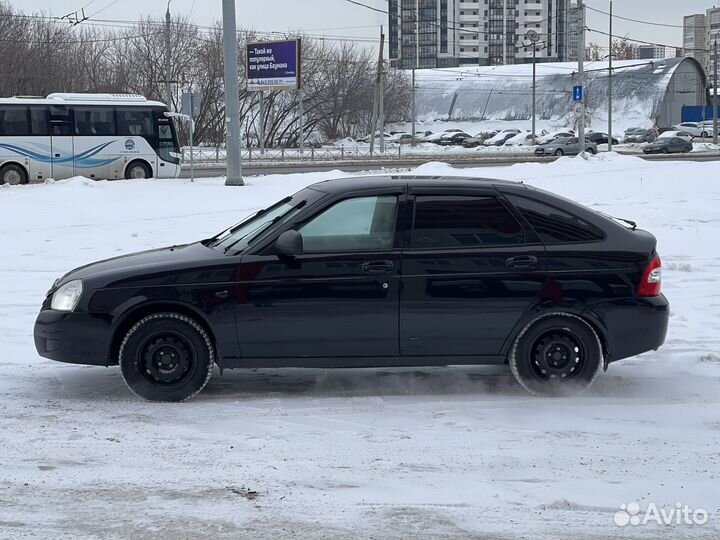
(75, 338)
(632, 327)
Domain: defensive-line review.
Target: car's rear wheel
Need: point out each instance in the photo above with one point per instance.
(704, 134)
(592, 151)
(166, 357)
(559, 152)
(556, 355)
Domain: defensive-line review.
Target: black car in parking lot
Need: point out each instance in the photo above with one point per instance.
(669, 145)
(381, 271)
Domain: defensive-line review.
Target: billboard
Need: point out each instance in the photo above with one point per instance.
(273, 65)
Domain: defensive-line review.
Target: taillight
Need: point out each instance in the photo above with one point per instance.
(651, 279)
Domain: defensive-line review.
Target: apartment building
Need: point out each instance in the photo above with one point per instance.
(699, 34)
(480, 32)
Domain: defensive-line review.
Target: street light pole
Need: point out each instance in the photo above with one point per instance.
(715, 94)
(581, 75)
(232, 96)
(168, 62)
(610, 83)
(417, 63)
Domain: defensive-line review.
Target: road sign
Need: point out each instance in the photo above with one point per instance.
(532, 36)
(273, 65)
(191, 102)
(577, 93)
(579, 109)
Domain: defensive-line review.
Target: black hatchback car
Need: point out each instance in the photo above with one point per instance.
(381, 271)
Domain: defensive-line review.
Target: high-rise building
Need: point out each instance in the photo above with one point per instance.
(479, 32)
(694, 37)
(649, 52)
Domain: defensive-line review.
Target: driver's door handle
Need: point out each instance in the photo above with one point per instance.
(524, 262)
(378, 267)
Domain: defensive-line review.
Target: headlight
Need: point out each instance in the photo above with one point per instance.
(66, 298)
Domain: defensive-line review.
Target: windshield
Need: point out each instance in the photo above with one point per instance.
(238, 238)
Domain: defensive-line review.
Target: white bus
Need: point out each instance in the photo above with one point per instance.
(102, 136)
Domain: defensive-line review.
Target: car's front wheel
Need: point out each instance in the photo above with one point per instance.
(559, 152)
(556, 355)
(166, 357)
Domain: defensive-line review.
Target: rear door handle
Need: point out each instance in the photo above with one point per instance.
(524, 262)
(378, 267)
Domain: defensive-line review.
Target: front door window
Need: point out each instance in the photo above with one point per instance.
(359, 224)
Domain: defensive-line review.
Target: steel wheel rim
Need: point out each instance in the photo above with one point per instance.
(167, 360)
(557, 355)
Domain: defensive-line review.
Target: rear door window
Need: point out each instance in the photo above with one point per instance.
(452, 222)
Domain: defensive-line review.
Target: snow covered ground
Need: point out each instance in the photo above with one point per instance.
(437, 453)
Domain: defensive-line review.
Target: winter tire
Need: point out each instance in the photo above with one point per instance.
(559, 152)
(556, 355)
(137, 170)
(13, 175)
(166, 357)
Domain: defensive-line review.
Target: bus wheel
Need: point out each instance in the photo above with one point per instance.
(13, 174)
(138, 170)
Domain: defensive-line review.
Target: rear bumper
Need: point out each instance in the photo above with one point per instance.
(632, 327)
(76, 338)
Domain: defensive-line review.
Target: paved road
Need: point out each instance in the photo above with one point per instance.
(355, 166)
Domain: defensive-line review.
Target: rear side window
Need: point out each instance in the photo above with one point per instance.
(555, 226)
(443, 222)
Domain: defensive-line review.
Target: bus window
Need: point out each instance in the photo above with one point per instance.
(14, 121)
(61, 121)
(94, 121)
(135, 122)
(39, 121)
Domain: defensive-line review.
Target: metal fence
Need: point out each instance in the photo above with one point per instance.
(218, 155)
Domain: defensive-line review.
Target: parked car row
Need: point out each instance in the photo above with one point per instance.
(562, 142)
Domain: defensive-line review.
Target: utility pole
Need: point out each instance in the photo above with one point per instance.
(715, 94)
(232, 96)
(168, 62)
(381, 102)
(378, 95)
(534, 94)
(610, 83)
(302, 121)
(417, 64)
(505, 31)
(261, 130)
(581, 76)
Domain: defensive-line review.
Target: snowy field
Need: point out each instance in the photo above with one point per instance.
(442, 453)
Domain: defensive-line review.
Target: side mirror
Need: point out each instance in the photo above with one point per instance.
(289, 243)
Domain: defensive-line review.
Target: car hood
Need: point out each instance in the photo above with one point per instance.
(145, 263)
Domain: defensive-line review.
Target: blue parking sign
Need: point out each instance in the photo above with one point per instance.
(577, 93)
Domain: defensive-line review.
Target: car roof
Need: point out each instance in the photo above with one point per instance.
(340, 185)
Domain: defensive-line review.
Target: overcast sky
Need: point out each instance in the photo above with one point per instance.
(335, 17)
